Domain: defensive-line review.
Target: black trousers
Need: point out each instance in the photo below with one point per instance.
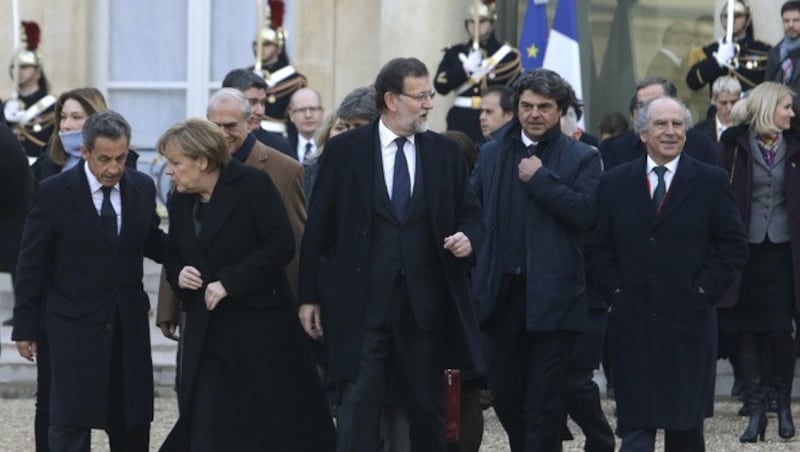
(121, 438)
(674, 440)
(414, 358)
(581, 399)
(526, 373)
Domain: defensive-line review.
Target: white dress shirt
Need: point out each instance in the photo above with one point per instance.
(97, 195)
(388, 150)
(652, 177)
(301, 147)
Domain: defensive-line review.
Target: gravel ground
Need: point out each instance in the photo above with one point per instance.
(722, 431)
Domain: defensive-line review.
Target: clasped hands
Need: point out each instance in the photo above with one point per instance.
(191, 278)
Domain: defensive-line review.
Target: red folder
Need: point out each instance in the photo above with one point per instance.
(452, 404)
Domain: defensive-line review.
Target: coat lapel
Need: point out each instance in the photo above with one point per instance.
(223, 201)
(81, 196)
(430, 166)
(363, 159)
(129, 194)
(638, 190)
(679, 189)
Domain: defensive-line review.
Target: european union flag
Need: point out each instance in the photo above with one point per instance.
(533, 40)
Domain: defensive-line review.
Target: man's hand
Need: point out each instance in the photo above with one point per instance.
(215, 292)
(458, 244)
(27, 349)
(528, 167)
(309, 318)
(168, 329)
(190, 278)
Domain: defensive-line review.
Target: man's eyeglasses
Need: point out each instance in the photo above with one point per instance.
(307, 110)
(420, 97)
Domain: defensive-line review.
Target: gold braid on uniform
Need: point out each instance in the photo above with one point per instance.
(287, 87)
(506, 72)
(26, 132)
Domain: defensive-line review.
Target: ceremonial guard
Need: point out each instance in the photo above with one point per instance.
(272, 63)
(29, 112)
(470, 68)
(739, 54)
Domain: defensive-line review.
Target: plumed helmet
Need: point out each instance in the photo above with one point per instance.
(486, 10)
(740, 8)
(28, 53)
(273, 31)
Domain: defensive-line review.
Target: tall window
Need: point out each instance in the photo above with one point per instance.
(159, 61)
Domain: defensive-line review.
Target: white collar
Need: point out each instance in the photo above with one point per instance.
(387, 136)
(671, 166)
(94, 184)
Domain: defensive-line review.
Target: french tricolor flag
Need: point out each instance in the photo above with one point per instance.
(563, 52)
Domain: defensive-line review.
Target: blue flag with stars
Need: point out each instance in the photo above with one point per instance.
(533, 40)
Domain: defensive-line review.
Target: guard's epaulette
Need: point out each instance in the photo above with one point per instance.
(291, 85)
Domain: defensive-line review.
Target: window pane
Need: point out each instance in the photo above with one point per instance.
(146, 46)
(149, 112)
(233, 27)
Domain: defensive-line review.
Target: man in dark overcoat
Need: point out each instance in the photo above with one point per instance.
(537, 187)
(668, 243)
(80, 269)
(384, 261)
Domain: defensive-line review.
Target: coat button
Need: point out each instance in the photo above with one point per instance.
(363, 233)
(358, 269)
(652, 240)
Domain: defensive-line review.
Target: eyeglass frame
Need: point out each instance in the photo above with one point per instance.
(419, 97)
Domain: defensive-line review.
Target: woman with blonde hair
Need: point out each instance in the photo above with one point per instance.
(762, 155)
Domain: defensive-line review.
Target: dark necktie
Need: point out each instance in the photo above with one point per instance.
(401, 187)
(661, 188)
(307, 155)
(107, 214)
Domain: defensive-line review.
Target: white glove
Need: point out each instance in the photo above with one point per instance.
(472, 62)
(725, 52)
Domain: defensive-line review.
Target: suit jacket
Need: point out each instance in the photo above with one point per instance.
(78, 279)
(628, 146)
(662, 329)
(337, 242)
(287, 176)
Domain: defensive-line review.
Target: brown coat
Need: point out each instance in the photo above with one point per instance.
(287, 175)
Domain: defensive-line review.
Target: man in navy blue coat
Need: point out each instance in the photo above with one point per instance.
(537, 187)
(385, 258)
(79, 273)
(668, 243)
